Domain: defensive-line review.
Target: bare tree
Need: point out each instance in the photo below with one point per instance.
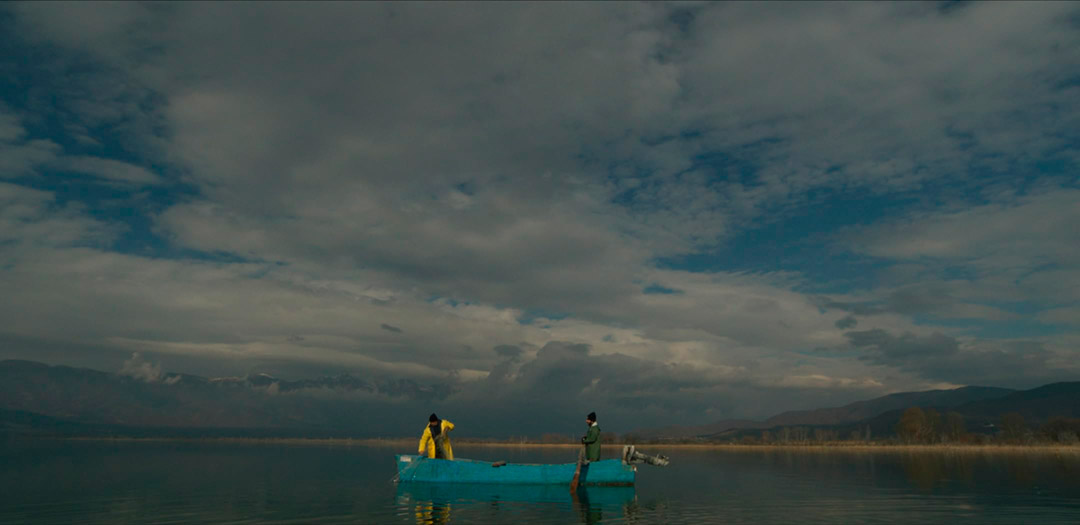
(800, 434)
(1062, 430)
(912, 425)
(955, 428)
(1013, 426)
(785, 434)
(933, 430)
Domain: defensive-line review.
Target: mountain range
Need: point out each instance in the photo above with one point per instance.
(39, 398)
(981, 407)
(851, 413)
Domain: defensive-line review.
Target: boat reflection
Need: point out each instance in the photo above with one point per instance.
(433, 503)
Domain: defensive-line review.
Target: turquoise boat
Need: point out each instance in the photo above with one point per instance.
(417, 493)
(607, 472)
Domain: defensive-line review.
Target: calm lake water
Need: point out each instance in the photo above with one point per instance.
(125, 482)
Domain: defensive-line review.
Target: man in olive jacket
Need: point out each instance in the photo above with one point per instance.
(591, 439)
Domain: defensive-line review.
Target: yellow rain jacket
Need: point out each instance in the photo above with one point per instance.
(427, 443)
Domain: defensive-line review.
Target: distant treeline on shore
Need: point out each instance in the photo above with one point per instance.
(917, 426)
(405, 445)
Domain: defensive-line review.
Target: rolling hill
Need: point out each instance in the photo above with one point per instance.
(850, 413)
(60, 400)
(70, 400)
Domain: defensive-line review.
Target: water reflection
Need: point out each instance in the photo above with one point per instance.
(433, 503)
(1021, 469)
(115, 483)
(930, 471)
(591, 503)
(927, 471)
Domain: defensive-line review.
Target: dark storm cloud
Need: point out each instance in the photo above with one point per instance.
(899, 349)
(553, 392)
(945, 299)
(846, 322)
(390, 328)
(1022, 364)
(565, 378)
(907, 301)
(508, 351)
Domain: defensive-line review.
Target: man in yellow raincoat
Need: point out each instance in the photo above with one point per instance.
(435, 442)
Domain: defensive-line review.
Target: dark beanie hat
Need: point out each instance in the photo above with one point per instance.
(433, 418)
(591, 416)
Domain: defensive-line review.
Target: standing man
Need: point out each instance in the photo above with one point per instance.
(435, 443)
(591, 439)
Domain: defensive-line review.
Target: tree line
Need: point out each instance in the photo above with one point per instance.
(928, 426)
(916, 426)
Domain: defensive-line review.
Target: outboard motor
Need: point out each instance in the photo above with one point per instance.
(630, 455)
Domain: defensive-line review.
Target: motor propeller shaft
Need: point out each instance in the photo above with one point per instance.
(631, 455)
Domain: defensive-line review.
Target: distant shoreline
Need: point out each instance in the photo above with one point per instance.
(410, 443)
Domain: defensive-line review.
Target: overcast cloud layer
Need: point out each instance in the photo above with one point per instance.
(662, 212)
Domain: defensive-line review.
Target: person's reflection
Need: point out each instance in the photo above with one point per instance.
(431, 513)
(424, 503)
(588, 513)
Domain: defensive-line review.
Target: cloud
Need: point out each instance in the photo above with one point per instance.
(904, 347)
(1010, 261)
(992, 237)
(140, 369)
(823, 381)
(519, 192)
(19, 159)
(1022, 364)
(10, 128)
(30, 219)
(1069, 316)
(847, 322)
(564, 378)
(109, 169)
(508, 351)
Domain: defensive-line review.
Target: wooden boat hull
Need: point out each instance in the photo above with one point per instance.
(608, 472)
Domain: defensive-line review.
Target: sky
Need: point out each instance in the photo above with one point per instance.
(664, 212)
